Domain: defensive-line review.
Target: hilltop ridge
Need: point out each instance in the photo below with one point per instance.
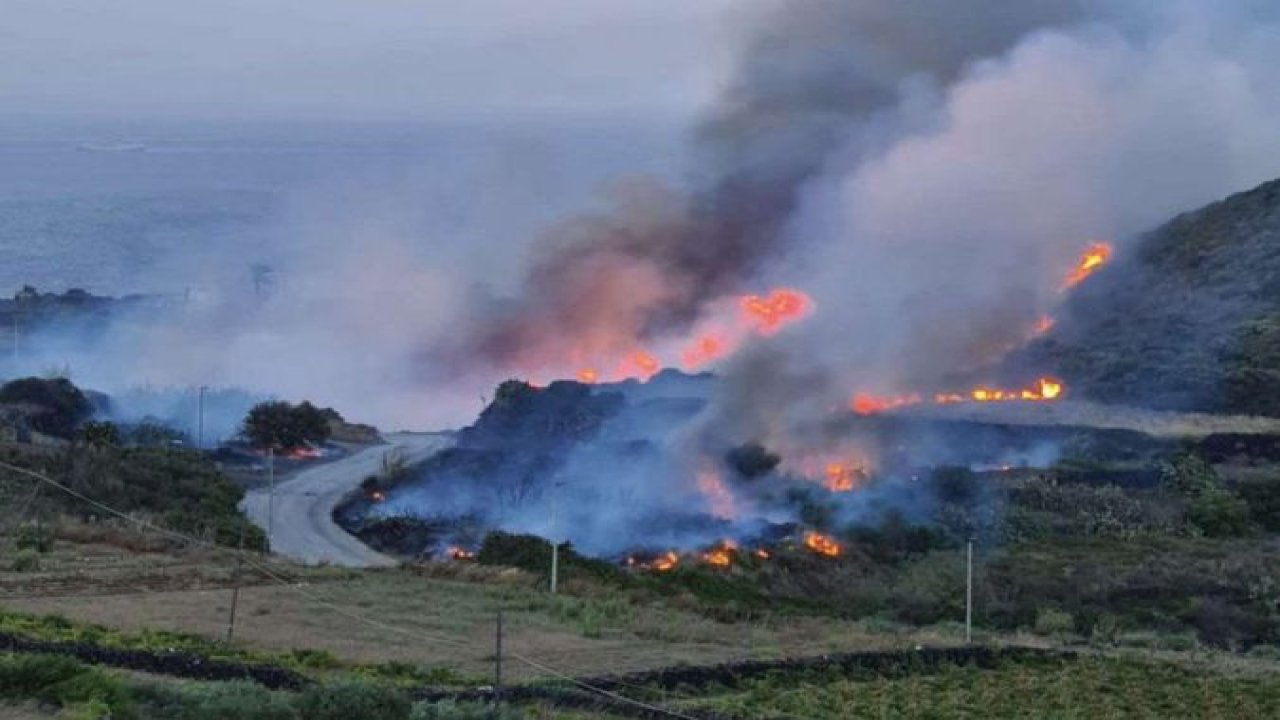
(1186, 318)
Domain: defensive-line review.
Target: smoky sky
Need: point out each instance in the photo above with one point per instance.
(926, 170)
(346, 60)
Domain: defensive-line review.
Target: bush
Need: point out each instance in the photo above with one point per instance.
(25, 560)
(234, 701)
(61, 681)
(34, 537)
(348, 699)
(1054, 622)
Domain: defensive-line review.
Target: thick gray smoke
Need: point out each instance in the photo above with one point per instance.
(816, 79)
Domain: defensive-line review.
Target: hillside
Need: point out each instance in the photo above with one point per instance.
(1186, 318)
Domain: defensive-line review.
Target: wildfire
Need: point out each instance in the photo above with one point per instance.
(864, 404)
(843, 478)
(762, 554)
(721, 555)
(705, 349)
(454, 552)
(588, 376)
(822, 544)
(639, 364)
(378, 496)
(770, 313)
(665, 562)
(1095, 256)
(1044, 389)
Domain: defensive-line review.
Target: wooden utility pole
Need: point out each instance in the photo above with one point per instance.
(235, 584)
(968, 593)
(497, 666)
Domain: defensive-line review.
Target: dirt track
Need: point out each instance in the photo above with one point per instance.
(303, 528)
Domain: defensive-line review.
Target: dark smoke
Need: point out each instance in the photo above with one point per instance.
(812, 74)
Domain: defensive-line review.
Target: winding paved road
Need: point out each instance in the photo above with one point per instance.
(304, 529)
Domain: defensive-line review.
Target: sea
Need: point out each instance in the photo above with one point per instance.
(147, 214)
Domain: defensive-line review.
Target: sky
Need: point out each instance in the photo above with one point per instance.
(360, 60)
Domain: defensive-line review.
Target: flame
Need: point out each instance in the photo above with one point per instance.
(762, 554)
(639, 364)
(588, 376)
(378, 496)
(1044, 389)
(864, 404)
(666, 562)
(770, 313)
(721, 555)
(453, 552)
(703, 350)
(843, 478)
(822, 544)
(1094, 257)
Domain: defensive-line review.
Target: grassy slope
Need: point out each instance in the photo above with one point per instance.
(1188, 317)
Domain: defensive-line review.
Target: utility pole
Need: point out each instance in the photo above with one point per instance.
(271, 494)
(497, 666)
(555, 539)
(200, 419)
(968, 593)
(235, 585)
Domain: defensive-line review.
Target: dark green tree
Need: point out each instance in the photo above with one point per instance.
(284, 426)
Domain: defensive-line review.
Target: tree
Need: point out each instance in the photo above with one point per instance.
(100, 434)
(281, 425)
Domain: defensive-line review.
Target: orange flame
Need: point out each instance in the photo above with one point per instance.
(762, 554)
(1094, 257)
(722, 555)
(822, 544)
(639, 364)
(843, 478)
(770, 313)
(705, 349)
(666, 562)
(588, 376)
(456, 553)
(864, 404)
(1044, 389)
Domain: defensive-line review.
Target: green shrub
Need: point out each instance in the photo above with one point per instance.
(349, 699)
(1218, 513)
(26, 560)
(32, 536)
(234, 701)
(62, 682)
(1055, 622)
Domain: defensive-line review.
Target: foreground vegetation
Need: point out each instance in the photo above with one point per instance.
(1084, 688)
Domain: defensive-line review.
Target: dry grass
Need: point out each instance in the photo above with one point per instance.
(444, 615)
(1089, 414)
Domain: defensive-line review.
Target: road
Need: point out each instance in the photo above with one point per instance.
(303, 527)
